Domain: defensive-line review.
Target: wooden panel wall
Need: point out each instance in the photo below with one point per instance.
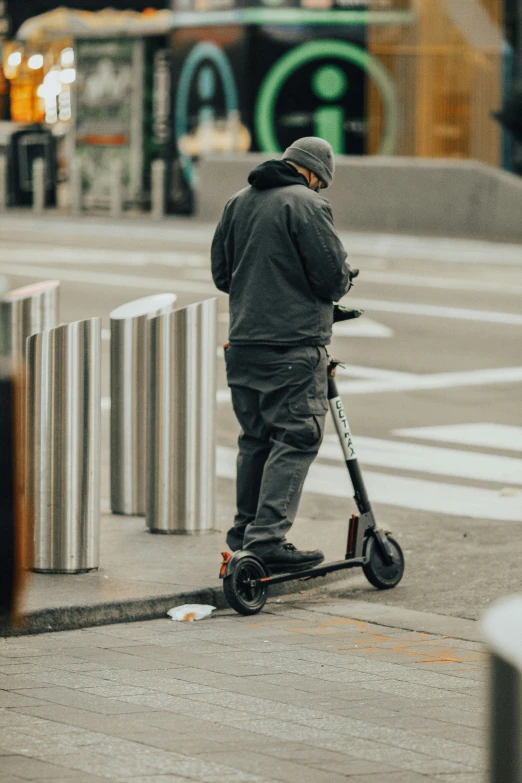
(446, 88)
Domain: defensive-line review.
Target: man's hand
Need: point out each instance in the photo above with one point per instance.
(341, 313)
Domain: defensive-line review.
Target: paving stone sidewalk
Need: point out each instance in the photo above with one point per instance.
(297, 694)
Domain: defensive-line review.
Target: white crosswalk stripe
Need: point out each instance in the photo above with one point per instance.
(109, 279)
(362, 327)
(494, 436)
(478, 502)
(504, 502)
(440, 380)
(78, 256)
(430, 459)
(401, 491)
(370, 380)
(434, 311)
(440, 250)
(435, 249)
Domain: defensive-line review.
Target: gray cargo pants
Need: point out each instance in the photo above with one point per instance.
(279, 397)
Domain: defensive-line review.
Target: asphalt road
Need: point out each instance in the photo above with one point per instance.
(432, 387)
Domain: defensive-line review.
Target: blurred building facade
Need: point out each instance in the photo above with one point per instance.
(395, 77)
(449, 68)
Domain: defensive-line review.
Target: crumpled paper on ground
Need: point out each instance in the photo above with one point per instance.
(190, 612)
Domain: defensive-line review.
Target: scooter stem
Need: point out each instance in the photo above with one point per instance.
(345, 438)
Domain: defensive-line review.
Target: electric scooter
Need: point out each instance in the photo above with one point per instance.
(246, 578)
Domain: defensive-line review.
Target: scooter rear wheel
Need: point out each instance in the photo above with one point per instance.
(243, 590)
(380, 574)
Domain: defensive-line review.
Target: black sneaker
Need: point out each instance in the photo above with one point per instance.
(287, 558)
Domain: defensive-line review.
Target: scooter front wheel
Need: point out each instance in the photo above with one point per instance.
(244, 591)
(379, 573)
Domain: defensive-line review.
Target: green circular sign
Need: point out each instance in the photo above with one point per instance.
(318, 50)
(329, 83)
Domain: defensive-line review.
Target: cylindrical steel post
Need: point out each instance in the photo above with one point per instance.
(129, 399)
(116, 191)
(26, 311)
(181, 420)
(3, 183)
(158, 189)
(64, 415)
(75, 187)
(23, 312)
(38, 185)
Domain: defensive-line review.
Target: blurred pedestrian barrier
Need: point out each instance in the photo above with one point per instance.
(129, 353)
(23, 312)
(3, 182)
(116, 189)
(158, 174)
(38, 185)
(502, 628)
(26, 311)
(181, 378)
(75, 187)
(64, 418)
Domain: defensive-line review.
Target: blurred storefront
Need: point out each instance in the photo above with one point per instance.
(89, 77)
(4, 35)
(19, 11)
(448, 71)
(393, 77)
(396, 77)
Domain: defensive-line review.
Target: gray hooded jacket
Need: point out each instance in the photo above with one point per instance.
(278, 256)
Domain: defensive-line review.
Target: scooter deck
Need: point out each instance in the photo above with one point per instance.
(312, 573)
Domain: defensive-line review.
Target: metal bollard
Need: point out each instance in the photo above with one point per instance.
(3, 183)
(26, 311)
(116, 191)
(158, 189)
(181, 446)
(75, 187)
(502, 629)
(38, 186)
(129, 399)
(64, 445)
(23, 312)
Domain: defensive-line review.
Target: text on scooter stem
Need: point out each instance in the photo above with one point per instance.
(343, 428)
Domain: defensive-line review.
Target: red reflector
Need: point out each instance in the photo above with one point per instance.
(226, 557)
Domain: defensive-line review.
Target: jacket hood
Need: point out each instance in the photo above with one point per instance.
(275, 174)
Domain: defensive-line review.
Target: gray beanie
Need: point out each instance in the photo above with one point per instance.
(314, 154)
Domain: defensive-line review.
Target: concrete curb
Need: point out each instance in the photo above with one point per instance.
(71, 618)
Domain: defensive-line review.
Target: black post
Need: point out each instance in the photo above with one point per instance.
(505, 754)
(7, 499)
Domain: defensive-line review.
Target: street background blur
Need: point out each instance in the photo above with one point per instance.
(176, 82)
(123, 131)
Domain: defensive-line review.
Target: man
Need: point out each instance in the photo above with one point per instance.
(278, 256)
